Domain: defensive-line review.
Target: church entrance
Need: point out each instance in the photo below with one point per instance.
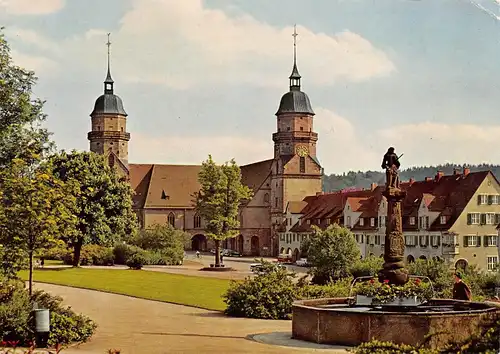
(296, 255)
(254, 246)
(232, 243)
(199, 243)
(239, 244)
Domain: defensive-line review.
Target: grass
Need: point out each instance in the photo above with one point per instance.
(199, 292)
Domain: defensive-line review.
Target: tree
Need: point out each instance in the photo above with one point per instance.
(35, 208)
(21, 116)
(104, 203)
(332, 252)
(219, 199)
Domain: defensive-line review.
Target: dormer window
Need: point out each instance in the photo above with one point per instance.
(412, 220)
(372, 221)
(361, 222)
(442, 219)
(308, 221)
(328, 221)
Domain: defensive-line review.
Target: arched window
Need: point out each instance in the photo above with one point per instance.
(111, 160)
(266, 198)
(171, 219)
(197, 221)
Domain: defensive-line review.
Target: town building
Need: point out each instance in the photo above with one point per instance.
(164, 192)
(452, 218)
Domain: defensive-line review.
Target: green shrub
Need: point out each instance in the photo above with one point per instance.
(137, 260)
(66, 326)
(92, 255)
(269, 295)
(378, 347)
(58, 252)
(122, 252)
(368, 266)
(438, 272)
(15, 315)
(339, 288)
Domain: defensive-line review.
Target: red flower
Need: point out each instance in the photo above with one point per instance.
(372, 281)
(3, 343)
(417, 281)
(13, 343)
(386, 281)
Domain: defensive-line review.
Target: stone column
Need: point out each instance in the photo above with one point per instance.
(393, 269)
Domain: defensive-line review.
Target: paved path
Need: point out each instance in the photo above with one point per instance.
(146, 327)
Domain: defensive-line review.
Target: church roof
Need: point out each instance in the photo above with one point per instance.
(173, 186)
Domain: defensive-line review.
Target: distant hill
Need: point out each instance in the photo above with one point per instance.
(365, 179)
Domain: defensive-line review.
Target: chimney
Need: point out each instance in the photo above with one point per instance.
(373, 186)
(412, 180)
(466, 171)
(428, 179)
(439, 174)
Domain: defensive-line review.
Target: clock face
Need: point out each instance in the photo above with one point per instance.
(302, 150)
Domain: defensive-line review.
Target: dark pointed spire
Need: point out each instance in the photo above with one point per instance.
(295, 76)
(108, 83)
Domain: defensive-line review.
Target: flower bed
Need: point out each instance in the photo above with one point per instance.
(371, 291)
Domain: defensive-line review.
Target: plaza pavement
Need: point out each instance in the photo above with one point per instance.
(137, 326)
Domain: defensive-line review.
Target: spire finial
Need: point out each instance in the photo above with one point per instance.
(108, 83)
(295, 76)
(294, 35)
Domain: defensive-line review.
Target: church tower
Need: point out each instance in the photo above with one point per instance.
(296, 170)
(108, 135)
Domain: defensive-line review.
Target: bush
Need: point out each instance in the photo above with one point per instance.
(92, 255)
(58, 252)
(15, 315)
(137, 261)
(269, 295)
(339, 288)
(122, 252)
(66, 326)
(368, 266)
(438, 272)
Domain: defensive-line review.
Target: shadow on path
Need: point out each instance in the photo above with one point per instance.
(191, 335)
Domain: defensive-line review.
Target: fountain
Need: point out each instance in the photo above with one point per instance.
(354, 320)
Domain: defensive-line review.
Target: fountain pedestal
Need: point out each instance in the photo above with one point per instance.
(393, 269)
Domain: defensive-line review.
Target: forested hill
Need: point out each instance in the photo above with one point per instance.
(365, 179)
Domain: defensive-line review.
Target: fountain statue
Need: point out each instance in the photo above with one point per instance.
(393, 269)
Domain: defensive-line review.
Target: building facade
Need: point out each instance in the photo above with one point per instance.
(163, 192)
(452, 218)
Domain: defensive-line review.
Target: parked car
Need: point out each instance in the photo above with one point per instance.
(232, 253)
(285, 258)
(258, 268)
(302, 262)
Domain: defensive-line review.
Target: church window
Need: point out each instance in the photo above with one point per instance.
(110, 143)
(275, 202)
(171, 219)
(302, 164)
(266, 198)
(287, 128)
(301, 128)
(111, 160)
(121, 129)
(197, 221)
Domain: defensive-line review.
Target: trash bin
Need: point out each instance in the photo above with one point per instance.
(42, 327)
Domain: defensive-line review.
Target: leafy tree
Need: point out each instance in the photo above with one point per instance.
(160, 237)
(219, 199)
(104, 203)
(35, 208)
(332, 252)
(21, 116)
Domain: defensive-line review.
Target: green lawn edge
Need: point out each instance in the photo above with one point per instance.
(192, 291)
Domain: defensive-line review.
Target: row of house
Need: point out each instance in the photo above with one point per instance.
(449, 217)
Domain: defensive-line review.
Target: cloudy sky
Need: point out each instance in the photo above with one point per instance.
(200, 77)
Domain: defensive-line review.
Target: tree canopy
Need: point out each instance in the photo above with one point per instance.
(332, 252)
(219, 199)
(104, 203)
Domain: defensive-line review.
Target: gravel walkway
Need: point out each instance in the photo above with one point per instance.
(147, 327)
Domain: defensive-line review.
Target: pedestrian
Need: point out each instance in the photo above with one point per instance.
(42, 262)
(197, 254)
(460, 290)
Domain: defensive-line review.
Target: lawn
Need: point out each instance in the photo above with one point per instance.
(200, 292)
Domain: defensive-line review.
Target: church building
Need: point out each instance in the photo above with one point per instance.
(163, 192)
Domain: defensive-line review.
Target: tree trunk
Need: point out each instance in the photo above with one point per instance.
(217, 253)
(77, 252)
(30, 281)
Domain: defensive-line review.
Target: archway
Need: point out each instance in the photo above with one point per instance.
(289, 251)
(254, 246)
(199, 242)
(239, 244)
(296, 254)
(282, 250)
(461, 264)
(232, 243)
(410, 259)
(423, 258)
(437, 259)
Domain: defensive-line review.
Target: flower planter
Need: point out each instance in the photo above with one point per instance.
(363, 300)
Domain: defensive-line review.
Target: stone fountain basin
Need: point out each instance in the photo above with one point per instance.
(333, 321)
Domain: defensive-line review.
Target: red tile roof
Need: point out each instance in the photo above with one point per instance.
(446, 195)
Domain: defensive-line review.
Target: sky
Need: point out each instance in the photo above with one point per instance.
(199, 77)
